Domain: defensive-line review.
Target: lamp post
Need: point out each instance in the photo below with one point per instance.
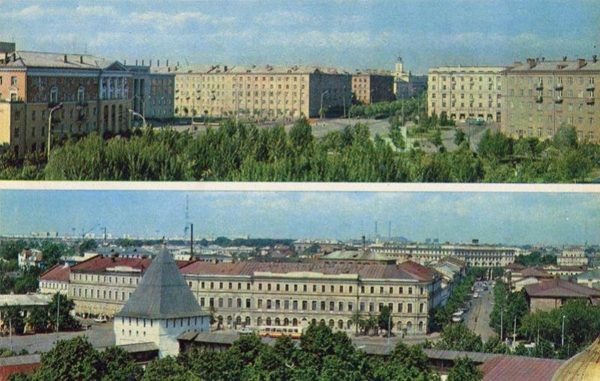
(133, 113)
(501, 323)
(321, 109)
(562, 338)
(56, 107)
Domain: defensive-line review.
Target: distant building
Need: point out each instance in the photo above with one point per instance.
(30, 258)
(590, 278)
(372, 87)
(94, 93)
(153, 92)
(161, 309)
(466, 92)
(518, 277)
(55, 279)
(550, 294)
(407, 85)
(253, 92)
(543, 95)
(574, 256)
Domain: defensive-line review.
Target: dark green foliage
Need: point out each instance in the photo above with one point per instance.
(459, 136)
(167, 369)
(457, 299)
(458, 337)
(62, 305)
(534, 259)
(39, 319)
(513, 305)
(464, 370)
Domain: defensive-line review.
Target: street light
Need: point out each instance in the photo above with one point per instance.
(562, 339)
(56, 107)
(321, 109)
(133, 113)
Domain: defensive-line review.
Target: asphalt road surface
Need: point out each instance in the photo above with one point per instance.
(477, 319)
(100, 335)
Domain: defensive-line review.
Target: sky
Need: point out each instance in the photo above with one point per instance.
(507, 217)
(348, 34)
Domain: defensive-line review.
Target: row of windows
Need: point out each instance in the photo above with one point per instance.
(13, 80)
(305, 305)
(286, 287)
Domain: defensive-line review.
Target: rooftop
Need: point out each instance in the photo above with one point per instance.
(162, 293)
(30, 59)
(252, 69)
(541, 65)
(101, 264)
(517, 368)
(24, 300)
(57, 273)
(558, 288)
(585, 366)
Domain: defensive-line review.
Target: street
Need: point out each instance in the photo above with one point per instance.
(477, 319)
(100, 335)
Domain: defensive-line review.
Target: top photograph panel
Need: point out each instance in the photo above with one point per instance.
(318, 91)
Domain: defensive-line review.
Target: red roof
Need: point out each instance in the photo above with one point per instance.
(535, 272)
(405, 270)
(57, 273)
(558, 288)
(101, 264)
(517, 368)
(514, 267)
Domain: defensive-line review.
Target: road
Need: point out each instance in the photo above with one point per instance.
(100, 335)
(478, 316)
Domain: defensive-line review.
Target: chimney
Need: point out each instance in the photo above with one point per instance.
(564, 58)
(364, 242)
(136, 62)
(14, 56)
(225, 68)
(595, 58)
(142, 62)
(66, 58)
(543, 59)
(157, 63)
(531, 62)
(81, 59)
(167, 62)
(580, 63)
(124, 62)
(150, 64)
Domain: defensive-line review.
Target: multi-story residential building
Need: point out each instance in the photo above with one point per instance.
(372, 87)
(466, 92)
(30, 258)
(543, 95)
(407, 85)
(573, 256)
(55, 279)
(264, 293)
(94, 94)
(472, 255)
(153, 92)
(267, 92)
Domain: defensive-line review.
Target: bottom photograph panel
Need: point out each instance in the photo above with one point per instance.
(281, 285)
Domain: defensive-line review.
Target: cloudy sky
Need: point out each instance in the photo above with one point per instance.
(512, 218)
(343, 33)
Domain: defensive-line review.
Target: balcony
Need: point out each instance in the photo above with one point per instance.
(558, 99)
(558, 86)
(590, 100)
(539, 99)
(53, 104)
(81, 104)
(539, 86)
(590, 87)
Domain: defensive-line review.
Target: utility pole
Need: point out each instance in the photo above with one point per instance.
(501, 323)
(191, 242)
(57, 314)
(514, 331)
(389, 328)
(562, 339)
(10, 332)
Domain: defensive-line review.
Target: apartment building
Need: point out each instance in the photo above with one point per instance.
(466, 92)
(94, 93)
(279, 294)
(543, 95)
(472, 255)
(372, 87)
(253, 92)
(574, 256)
(153, 92)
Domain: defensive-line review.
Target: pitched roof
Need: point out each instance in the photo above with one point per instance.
(101, 264)
(57, 60)
(560, 288)
(517, 368)
(57, 273)
(407, 270)
(162, 293)
(535, 272)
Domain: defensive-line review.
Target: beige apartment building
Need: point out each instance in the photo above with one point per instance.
(466, 92)
(472, 255)
(153, 92)
(542, 95)
(573, 256)
(278, 294)
(372, 87)
(253, 92)
(94, 93)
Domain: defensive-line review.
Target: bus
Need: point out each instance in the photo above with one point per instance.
(278, 331)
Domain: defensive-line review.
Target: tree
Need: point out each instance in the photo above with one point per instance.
(494, 146)
(384, 320)
(168, 369)
(459, 136)
(464, 370)
(13, 316)
(38, 319)
(62, 305)
(565, 138)
(87, 245)
(118, 365)
(457, 337)
(70, 360)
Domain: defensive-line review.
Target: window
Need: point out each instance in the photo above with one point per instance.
(54, 94)
(81, 94)
(13, 81)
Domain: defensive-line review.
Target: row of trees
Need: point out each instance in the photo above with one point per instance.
(320, 355)
(41, 319)
(536, 258)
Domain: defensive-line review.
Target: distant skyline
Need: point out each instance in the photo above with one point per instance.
(343, 33)
(509, 218)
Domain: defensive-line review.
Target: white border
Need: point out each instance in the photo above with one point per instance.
(295, 187)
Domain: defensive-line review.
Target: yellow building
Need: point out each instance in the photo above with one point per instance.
(466, 92)
(542, 95)
(253, 92)
(94, 94)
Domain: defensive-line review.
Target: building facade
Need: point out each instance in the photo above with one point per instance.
(466, 92)
(574, 256)
(472, 255)
(253, 92)
(153, 92)
(542, 95)
(30, 258)
(94, 94)
(407, 85)
(259, 294)
(372, 87)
